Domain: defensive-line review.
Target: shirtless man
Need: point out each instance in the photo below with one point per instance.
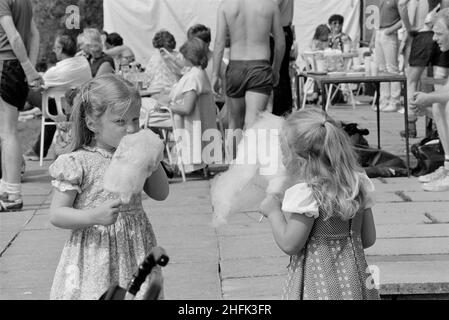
(250, 78)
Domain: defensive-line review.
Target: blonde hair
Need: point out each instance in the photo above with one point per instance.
(80, 41)
(442, 15)
(107, 91)
(330, 165)
(92, 37)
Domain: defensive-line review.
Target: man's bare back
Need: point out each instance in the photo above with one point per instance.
(250, 77)
(250, 24)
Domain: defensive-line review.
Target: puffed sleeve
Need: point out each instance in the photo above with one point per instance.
(299, 199)
(192, 82)
(67, 173)
(370, 196)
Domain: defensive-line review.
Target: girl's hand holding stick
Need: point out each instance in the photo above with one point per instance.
(107, 214)
(271, 204)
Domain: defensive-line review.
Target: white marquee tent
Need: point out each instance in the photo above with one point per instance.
(138, 20)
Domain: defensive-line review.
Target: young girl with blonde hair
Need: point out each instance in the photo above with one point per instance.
(109, 239)
(329, 219)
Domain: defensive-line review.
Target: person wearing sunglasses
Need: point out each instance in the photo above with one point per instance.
(337, 38)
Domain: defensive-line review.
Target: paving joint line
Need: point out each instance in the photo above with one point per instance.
(23, 227)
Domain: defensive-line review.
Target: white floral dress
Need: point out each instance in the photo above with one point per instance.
(97, 257)
(332, 266)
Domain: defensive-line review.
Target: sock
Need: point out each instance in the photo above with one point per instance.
(2, 186)
(14, 191)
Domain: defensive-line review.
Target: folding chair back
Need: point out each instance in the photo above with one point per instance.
(59, 96)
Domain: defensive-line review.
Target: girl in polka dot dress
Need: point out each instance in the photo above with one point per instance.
(324, 221)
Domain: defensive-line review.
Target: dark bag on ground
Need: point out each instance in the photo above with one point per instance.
(430, 155)
(376, 163)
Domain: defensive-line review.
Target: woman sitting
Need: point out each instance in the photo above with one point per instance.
(338, 39)
(115, 48)
(192, 103)
(165, 66)
(100, 63)
(321, 37)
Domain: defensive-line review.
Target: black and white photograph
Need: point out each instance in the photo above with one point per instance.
(224, 154)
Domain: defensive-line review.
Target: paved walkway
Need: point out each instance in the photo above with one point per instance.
(240, 260)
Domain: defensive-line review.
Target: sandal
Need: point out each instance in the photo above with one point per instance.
(11, 206)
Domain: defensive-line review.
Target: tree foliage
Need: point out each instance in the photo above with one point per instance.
(50, 17)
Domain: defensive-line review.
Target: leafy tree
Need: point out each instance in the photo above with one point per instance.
(51, 16)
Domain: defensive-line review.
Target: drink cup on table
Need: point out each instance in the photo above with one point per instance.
(374, 69)
(368, 66)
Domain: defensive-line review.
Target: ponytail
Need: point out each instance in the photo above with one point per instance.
(331, 168)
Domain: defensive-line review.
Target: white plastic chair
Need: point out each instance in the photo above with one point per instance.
(166, 131)
(166, 136)
(60, 118)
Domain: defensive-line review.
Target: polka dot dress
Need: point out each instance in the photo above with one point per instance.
(332, 265)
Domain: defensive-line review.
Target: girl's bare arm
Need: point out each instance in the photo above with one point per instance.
(188, 105)
(64, 216)
(290, 235)
(156, 186)
(368, 229)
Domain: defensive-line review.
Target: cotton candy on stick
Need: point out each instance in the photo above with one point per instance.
(248, 182)
(135, 159)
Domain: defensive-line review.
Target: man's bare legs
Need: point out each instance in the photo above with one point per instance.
(236, 124)
(440, 112)
(255, 104)
(413, 78)
(243, 114)
(11, 153)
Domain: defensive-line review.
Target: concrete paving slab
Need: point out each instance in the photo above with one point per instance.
(254, 267)
(413, 231)
(191, 281)
(30, 293)
(422, 196)
(174, 208)
(439, 218)
(245, 247)
(409, 246)
(236, 230)
(414, 277)
(203, 254)
(40, 222)
(387, 197)
(409, 213)
(181, 220)
(10, 225)
(25, 243)
(257, 288)
(410, 186)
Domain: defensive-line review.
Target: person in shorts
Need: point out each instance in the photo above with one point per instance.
(250, 77)
(19, 46)
(424, 51)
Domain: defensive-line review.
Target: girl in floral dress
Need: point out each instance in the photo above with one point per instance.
(109, 239)
(328, 219)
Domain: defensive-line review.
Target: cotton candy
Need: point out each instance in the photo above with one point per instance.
(135, 159)
(247, 182)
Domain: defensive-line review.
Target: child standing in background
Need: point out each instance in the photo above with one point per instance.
(330, 220)
(109, 239)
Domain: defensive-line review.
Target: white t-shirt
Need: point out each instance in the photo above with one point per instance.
(68, 73)
(204, 113)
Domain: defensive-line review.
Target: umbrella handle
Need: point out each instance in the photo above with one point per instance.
(157, 256)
